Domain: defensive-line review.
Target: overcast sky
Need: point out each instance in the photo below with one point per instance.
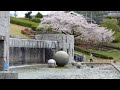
(22, 13)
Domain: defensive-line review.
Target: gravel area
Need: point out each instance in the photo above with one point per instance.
(67, 72)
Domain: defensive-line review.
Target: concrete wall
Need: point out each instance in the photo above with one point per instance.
(32, 43)
(65, 42)
(28, 51)
(4, 38)
(21, 56)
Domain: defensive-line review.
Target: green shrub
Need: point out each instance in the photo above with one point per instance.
(94, 54)
(117, 37)
(115, 41)
(23, 22)
(111, 17)
(44, 27)
(24, 18)
(36, 20)
(34, 27)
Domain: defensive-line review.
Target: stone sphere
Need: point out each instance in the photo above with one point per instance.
(51, 63)
(73, 63)
(78, 65)
(61, 58)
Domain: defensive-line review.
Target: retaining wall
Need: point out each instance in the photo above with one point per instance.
(24, 51)
(65, 42)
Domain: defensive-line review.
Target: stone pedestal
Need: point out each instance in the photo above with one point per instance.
(8, 75)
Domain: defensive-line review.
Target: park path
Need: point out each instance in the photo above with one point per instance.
(102, 61)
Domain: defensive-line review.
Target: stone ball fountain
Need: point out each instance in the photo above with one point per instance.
(73, 63)
(61, 58)
(51, 63)
(78, 65)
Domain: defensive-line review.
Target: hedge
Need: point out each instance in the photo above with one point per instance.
(36, 20)
(23, 22)
(94, 54)
(34, 27)
(111, 46)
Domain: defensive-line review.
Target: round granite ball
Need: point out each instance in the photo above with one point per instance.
(61, 58)
(78, 65)
(51, 63)
(73, 63)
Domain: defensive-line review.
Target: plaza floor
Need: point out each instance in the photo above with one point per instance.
(41, 71)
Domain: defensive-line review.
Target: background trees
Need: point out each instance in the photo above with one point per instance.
(95, 15)
(113, 24)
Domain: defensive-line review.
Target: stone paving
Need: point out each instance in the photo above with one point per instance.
(68, 72)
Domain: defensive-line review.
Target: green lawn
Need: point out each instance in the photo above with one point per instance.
(88, 57)
(16, 30)
(112, 53)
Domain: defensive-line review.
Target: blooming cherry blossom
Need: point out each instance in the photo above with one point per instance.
(75, 24)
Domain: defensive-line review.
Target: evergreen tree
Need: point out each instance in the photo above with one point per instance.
(39, 15)
(28, 15)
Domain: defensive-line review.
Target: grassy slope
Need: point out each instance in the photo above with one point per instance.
(88, 57)
(115, 44)
(16, 30)
(114, 53)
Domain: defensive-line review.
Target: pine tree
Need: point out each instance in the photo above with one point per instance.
(28, 15)
(39, 15)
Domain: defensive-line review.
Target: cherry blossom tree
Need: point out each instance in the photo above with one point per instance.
(75, 24)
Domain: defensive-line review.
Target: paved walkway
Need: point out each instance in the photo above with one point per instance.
(102, 61)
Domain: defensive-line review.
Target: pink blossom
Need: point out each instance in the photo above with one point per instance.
(73, 22)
